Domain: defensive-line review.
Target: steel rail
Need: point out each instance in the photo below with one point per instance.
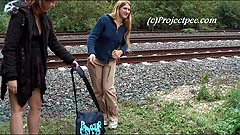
(157, 55)
(2, 35)
(161, 52)
(83, 41)
(155, 58)
(164, 54)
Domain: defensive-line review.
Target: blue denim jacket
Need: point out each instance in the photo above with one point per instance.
(105, 37)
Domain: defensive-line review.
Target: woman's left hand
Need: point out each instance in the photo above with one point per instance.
(116, 54)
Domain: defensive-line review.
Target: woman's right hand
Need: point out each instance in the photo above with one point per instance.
(12, 86)
(91, 58)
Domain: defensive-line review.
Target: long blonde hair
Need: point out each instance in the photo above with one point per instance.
(127, 22)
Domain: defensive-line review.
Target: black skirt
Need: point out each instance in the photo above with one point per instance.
(38, 74)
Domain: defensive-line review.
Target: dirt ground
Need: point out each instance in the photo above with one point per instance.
(185, 93)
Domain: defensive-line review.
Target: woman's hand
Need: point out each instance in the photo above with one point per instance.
(12, 86)
(116, 54)
(74, 64)
(91, 58)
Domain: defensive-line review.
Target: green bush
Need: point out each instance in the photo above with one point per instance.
(82, 15)
(229, 112)
(228, 14)
(189, 30)
(4, 22)
(233, 100)
(205, 94)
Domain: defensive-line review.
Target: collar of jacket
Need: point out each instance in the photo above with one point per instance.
(28, 13)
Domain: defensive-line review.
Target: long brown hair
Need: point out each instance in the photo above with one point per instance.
(127, 22)
(38, 6)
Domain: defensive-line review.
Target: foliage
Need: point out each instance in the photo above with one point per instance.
(82, 15)
(204, 92)
(4, 18)
(217, 95)
(228, 14)
(189, 30)
(2, 3)
(160, 117)
(229, 120)
(4, 128)
(4, 22)
(233, 100)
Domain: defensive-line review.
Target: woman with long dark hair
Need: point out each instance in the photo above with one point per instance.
(24, 65)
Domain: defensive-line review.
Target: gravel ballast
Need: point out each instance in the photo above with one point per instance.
(135, 82)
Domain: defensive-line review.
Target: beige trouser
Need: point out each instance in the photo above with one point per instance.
(102, 77)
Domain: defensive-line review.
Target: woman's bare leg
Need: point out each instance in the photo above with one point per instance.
(34, 114)
(16, 120)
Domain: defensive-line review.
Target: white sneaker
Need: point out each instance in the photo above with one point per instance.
(113, 124)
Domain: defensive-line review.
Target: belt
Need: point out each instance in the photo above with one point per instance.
(105, 62)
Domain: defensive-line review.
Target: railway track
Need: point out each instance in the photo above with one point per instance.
(83, 41)
(157, 55)
(2, 35)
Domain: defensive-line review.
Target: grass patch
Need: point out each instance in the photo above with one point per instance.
(4, 128)
(204, 93)
(159, 116)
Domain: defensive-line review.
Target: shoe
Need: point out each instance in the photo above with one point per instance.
(105, 122)
(113, 124)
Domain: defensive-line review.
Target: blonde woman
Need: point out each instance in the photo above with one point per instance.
(107, 42)
(24, 65)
